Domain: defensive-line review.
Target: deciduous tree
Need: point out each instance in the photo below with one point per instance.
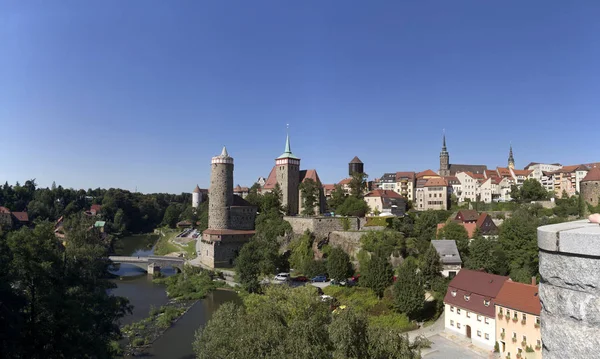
(377, 274)
(409, 295)
(431, 266)
(338, 264)
(310, 196)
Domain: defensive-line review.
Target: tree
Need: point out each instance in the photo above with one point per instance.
(431, 266)
(271, 201)
(385, 242)
(247, 266)
(377, 274)
(172, 215)
(302, 255)
(518, 237)
(310, 196)
(120, 220)
(349, 335)
(65, 292)
(488, 255)
(426, 225)
(453, 230)
(253, 196)
(530, 190)
(338, 264)
(337, 197)
(353, 206)
(358, 184)
(409, 295)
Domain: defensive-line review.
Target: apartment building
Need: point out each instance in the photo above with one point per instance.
(468, 186)
(567, 179)
(470, 306)
(405, 184)
(386, 201)
(518, 320)
(432, 193)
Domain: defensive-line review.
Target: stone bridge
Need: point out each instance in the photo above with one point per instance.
(151, 263)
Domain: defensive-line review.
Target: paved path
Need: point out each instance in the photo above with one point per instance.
(442, 348)
(429, 331)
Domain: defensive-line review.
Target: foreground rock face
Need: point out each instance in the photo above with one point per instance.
(570, 289)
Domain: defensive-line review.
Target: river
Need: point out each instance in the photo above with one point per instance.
(137, 286)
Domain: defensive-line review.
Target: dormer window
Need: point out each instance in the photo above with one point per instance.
(486, 303)
(467, 297)
(454, 293)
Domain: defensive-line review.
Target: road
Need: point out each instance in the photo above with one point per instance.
(442, 348)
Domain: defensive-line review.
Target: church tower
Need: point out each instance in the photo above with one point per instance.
(288, 175)
(221, 191)
(511, 159)
(444, 159)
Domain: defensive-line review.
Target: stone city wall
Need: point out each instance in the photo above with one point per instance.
(569, 255)
(320, 227)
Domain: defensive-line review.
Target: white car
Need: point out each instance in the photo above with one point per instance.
(282, 277)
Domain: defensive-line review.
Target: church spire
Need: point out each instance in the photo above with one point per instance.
(287, 153)
(444, 158)
(224, 152)
(511, 158)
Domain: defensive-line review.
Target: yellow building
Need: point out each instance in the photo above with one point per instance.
(518, 321)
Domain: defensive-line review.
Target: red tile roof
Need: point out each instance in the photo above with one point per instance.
(345, 181)
(503, 172)
(95, 207)
(383, 193)
(479, 176)
(197, 189)
(478, 287)
(522, 172)
(271, 180)
(4, 210)
(427, 173)
(21, 216)
(328, 187)
(592, 175)
(519, 296)
(451, 179)
(409, 175)
(481, 218)
(436, 182)
(467, 215)
(312, 174)
(469, 227)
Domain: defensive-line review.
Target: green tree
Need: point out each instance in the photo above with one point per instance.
(337, 197)
(386, 242)
(302, 255)
(426, 225)
(247, 266)
(530, 190)
(358, 184)
(64, 291)
(349, 335)
(271, 201)
(409, 295)
(377, 274)
(338, 264)
(453, 230)
(518, 238)
(120, 221)
(488, 255)
(353, 206)
(431, 266)
(172, 214)
(254, 197)
(310, 196)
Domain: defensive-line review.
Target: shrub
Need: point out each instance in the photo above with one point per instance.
(389, 321)
(137, 342)
(497, 347)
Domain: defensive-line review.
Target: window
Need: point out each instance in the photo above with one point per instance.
(479, 333)
(514, 335)
(503, 331)
(537, 320)
(500, 311)
(487, 336)
(478, 318)
(486, 303)
(452, 323)
(458, 325)
(487, 321)
(468, 314)
(467, 297)
(457, 310)
(508, 313)
(451, 308)
(524, 338)
(539, 343)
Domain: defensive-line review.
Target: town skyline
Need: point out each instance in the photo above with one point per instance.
(143, 95)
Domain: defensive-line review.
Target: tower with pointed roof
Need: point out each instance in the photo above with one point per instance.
(511, 159)
(444, 159)
(221, 191)
(288, 176)
(196, 197)
(355, 166)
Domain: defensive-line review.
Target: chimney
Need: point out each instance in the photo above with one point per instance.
(533, 281)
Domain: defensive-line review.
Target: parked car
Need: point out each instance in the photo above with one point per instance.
(319, 278)
(300, 279)
(335, 282)
(282, 277)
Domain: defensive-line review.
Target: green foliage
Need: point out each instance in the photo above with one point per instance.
(191, 284)
(337, 197)
(353, 206)
(45, 288)
(404, 225)
(392, 321)
(426, 225)
(518, 238)
(488, 255)
(453, 230)
(358, 184)
(377, 274)
(496, 348)
(318, 267)
(302, 255)
(172, 214)
(528, 349)
(338, 264)
(295, 323)
(310, 190)
(345, 223)
(530, 190)
(408, 291)
(363, 257)
(568, 206)
(380, 221)
(431, 266)
(384, 242)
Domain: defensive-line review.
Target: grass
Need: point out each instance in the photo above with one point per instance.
(192, 284)
(164, 244)
(190, 250)
(392, 321)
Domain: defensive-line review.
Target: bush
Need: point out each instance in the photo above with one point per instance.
(396, 321)
(137, 342)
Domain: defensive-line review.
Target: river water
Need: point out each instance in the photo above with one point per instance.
(137, 286)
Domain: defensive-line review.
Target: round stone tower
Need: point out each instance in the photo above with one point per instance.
(196, 197)
(590, 186)
(221, 191)
(355, 166)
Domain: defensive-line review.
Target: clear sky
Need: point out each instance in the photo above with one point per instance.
(144, 93)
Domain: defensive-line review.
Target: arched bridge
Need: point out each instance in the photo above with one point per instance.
(146, 262)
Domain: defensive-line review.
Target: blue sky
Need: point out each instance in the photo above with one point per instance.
(143, 93)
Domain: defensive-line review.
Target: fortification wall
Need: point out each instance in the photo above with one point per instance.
(590, 190)
(570, 289)
(321, 226)
(242, 217)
